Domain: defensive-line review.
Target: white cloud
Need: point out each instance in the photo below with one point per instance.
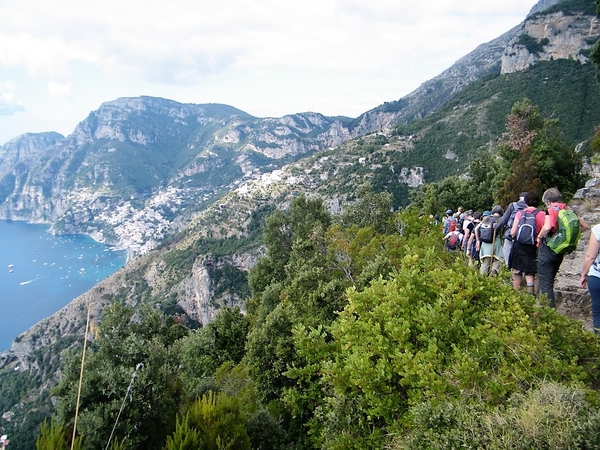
(59, 89)
(8, 104)
(181, 41)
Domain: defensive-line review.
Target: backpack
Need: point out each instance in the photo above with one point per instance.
(451, 224)
(486, 230)
(516, 209)
(453, 241)
(526, 230)
(567, 235)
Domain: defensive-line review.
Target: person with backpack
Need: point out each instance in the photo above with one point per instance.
(466, 229)
(558, 237)
(507, 221)
(489, 244)
(471, 246)
(453, 240)
(590, 274)
(449, 222)
(524, 231)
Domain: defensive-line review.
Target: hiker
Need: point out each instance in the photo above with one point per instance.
(524, 231)
(590, 274)
(460, 216)
(556, 238)
(489, 244)
(471, 247)
(466, 229)
(453, 240)
(449, 222)
(507, 221)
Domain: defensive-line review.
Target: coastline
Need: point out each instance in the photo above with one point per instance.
(43, 271)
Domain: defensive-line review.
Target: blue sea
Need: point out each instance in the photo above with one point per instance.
(40, 273)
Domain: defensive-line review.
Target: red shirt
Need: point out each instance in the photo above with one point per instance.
(553, 213)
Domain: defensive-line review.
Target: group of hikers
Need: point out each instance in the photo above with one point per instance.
(529, 240)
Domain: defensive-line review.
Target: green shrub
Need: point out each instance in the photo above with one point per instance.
(214, 422)
(431, 333)
(550, 416)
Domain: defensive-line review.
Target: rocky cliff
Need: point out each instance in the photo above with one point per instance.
(549, 37)
(138, 169)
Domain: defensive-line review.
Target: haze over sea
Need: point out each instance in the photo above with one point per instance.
(40, 273)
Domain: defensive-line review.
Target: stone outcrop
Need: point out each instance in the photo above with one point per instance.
(559, 36)
(571, 299)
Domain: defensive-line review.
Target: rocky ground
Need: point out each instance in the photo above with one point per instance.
(571, 298)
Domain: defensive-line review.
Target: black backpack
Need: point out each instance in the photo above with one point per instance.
(486, 230)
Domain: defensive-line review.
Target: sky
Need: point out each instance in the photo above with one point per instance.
(61, 59)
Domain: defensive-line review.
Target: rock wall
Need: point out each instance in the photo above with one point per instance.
(568, 37)
(571, 299)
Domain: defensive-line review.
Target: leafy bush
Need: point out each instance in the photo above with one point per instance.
(214, 422)
(434, 333)
(550, 415)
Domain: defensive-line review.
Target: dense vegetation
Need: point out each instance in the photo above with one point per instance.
(531, 156)
(357, 336)
(360, 332)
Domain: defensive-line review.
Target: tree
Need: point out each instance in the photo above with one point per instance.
(370, 210)
(532, 149)
(213, 422)
(131, 373)
(54, 437)
(205, 350)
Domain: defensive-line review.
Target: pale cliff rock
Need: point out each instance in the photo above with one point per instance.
(567, 37)
(196, 291)
(413, 177)
(26, 148)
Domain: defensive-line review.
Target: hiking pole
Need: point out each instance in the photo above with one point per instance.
(87, 326)
(493, 251)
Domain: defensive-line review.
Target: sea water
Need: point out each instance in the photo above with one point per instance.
(40, 273)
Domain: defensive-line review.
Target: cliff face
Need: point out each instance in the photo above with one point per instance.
(549, 37)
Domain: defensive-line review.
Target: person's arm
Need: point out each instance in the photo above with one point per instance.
(471, 238)
(590, 257)
(476, 232)
(466, 237)
(545, 229)
(515, 225)
(504, 220)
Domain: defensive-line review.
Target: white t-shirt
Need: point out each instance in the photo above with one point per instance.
(595, 269)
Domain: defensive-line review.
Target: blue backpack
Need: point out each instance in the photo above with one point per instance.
(526, 230)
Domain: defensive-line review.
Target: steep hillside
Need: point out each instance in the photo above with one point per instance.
(445, 142)
(191, 149)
